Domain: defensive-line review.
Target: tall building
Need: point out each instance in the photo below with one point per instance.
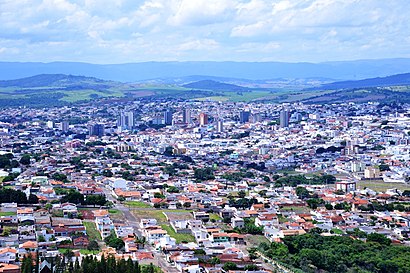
(244, 116)
(96, 129)
(168, 117)
(220, 126)
(256, 117)
(64, 126)
(284, 118)
(203, 119)
(186, 116)
(50, 124)
(126, 120)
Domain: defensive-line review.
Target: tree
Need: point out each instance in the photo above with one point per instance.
(48, 206)
(95, 199)
(74, 197)
(406, 193)
(93, 245)
(214, 260)
(378, 238)
(27, 264)
(302, 192)
(204, 174)
(141, 241)
(107, 173)
(25, 159)
(159, 195)
(113, 241)
(230, 266)
(173, 189)
(32, 199)
(251, 267)
(60, 177)
(241, 194)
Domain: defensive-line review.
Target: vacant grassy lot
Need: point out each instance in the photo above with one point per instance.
(296, 209)
(381, 186)
(255, 240)
(178, 236)
(92, 231)
(137, 204)
(159, 214)
(156, 214)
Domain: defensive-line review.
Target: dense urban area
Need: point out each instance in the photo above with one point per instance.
(153, 185)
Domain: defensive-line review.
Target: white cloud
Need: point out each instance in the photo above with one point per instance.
(204, 44)
(130, 30)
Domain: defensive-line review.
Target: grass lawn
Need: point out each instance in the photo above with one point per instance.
(282, 219)
(178, 236)
(89, 252)
(92, 231)
(337, 231)
(113, 211)
(8, 213)
(214, 216)
(82, 251)
(137, 204)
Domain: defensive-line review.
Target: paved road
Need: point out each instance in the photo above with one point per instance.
(131, 220)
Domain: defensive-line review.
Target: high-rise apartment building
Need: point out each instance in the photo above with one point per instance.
(284, 118)
(126, 120)
(244, 116)
(96, 129)
(168, 117)
(186, 116)
(203, 119)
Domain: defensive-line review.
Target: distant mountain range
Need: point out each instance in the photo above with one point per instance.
(216, 86)
(52, 80)
(133, 72)
(400, 79)
(60, 89)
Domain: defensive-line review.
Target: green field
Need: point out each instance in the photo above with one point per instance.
(381, 186)
(8, 213)
(92, 231)
(137, 204)
(178, 236)
(73, 96)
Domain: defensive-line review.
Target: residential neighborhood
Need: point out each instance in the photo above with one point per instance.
(196, 187)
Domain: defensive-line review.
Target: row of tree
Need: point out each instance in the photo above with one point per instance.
(90, 264)
(16, 196)
(76, 197)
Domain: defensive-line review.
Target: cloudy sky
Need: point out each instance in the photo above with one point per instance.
(118, 31)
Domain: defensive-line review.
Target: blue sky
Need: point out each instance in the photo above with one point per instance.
(119, 31)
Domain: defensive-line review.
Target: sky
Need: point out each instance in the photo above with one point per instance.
(123, 31)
